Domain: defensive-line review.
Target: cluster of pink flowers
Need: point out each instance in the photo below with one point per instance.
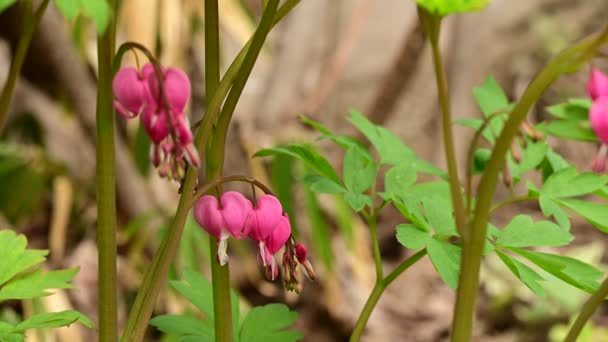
(161, 103)
(265, 223)
(597, 88)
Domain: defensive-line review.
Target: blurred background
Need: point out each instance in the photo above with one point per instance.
(324, 58)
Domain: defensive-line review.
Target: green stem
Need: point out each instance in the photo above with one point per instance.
(588, 309)
(214, 161)
(432, 25)
(471, 154)
(377, 291)
(106, 189)
(157, 273)
(30, 24)
(568, 60)
(511, 200)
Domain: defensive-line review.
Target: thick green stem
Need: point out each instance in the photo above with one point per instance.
(587, 311)
(214, 161)
(106, 189)
(377, 291)
(157, 273)
(568, 60)
(432, 24)
(30, 24)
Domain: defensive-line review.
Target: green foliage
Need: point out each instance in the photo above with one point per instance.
(21, 277)
(571, 120)
(263, 323)
(523, 232)
(446, 7)
(4, 4)
(97, 10)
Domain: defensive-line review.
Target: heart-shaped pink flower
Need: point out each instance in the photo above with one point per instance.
(279, 236)
(221, 222)
(176, 85)
(264, 219)
(598, 115)
(598, 84)
(130, 92)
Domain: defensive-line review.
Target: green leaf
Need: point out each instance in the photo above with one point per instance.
(343, 141)
(359, 172)
(594, 213)
(444, 7)
(197, 290)
(571, 271)
(531, 157)
(321, 233)
(489, 96)
(569, 183)
(357, 201)
(550, 208)
(69, 8)
(575, 109)
(571, 129)
(306, 154)
(438, 212)
(446, 260)
(320, 184)
(266, 324)
(54, 320)
(4, 4)
(524, 273)
(99, 11)
(523, 232)
(411, 236)
(14, 257)
(184, 325)
(34, 284)
(399, 179)
(389, 146)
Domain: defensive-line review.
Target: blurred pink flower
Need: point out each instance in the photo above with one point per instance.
(162, 114)
(597, 85)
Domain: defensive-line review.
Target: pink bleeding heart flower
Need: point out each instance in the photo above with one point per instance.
(264, 219)
(273, 244)
(598, 116)
(130, 92)
(597, 85)
(175, 84)
(222, 222)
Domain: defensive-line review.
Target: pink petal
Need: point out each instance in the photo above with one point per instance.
(176, 85)
(597, 85)
(177, 88)
(129, 91)
(208, 215)
(598, 115)
(235, 211)
(265, 217)
(279, 236)
(155, 124)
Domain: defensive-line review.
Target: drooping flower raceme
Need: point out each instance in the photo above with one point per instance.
(161, 104)
(222, 220)
(266, 224)
(597, 88)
